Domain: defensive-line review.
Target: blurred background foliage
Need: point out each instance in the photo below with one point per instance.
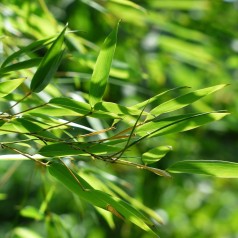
(162, 44)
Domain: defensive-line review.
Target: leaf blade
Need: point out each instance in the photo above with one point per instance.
(49, 64)
(184, 100)
(102, 68)
(217, 168)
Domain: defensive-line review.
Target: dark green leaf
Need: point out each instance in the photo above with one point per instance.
(49, 64)
(97, 198)
(21, 65)
(85, 149)
(36, 45)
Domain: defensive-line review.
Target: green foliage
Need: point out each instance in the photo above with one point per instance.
(97, 119)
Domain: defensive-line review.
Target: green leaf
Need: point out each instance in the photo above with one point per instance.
(31, 212)
(36, 45)
(85, 149)
(184, 100)
(155, 154)
(49, 64)
(21, 65)
(129, 4)
(79, 107)
(27, 127)
(102, 67)
(8, 86)
(217, 168)
(178, 123)
(117, 109)
(97, 198)
(155, 98)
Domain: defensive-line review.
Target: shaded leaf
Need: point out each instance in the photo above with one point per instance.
(36, 45)
(97, 198)
(85, 149)
(49, 64)
(217, 168)
(21, 65)
(102, 67)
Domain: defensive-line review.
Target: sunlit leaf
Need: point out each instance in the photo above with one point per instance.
(155, 98)
(31, 212)
(22, 232)
(129, 4)
(217, 168)
(155, 154)
(9, 86)
(49, 64)
(184, 100)
(116, 108)
(178, 123)
(102, 67)
(80, 107)
(83, 108)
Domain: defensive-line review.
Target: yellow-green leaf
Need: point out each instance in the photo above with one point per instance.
(217, 168)
(155, 154)
(9, 86)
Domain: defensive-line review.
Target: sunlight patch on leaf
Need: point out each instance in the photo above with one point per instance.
(217, 168)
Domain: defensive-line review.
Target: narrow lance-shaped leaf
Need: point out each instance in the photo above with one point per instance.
(217, 168)
(8, 86)
(49, 64)
(155, 154)
(178, 123)
(184, 100)
(102, 67)
(155, 98)
(21, 65)
(97, 198)
(36, 45)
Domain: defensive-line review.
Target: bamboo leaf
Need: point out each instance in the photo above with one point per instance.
(155, 98)
(217, 168)
(178, 123)
(36, 45)
(155, 154)
(79, 107)
(184, 100)
(85, 149)
(49, 64)
(97, 198)
(102, 67)
(117, 109)
(8, 86)
(21, 65)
